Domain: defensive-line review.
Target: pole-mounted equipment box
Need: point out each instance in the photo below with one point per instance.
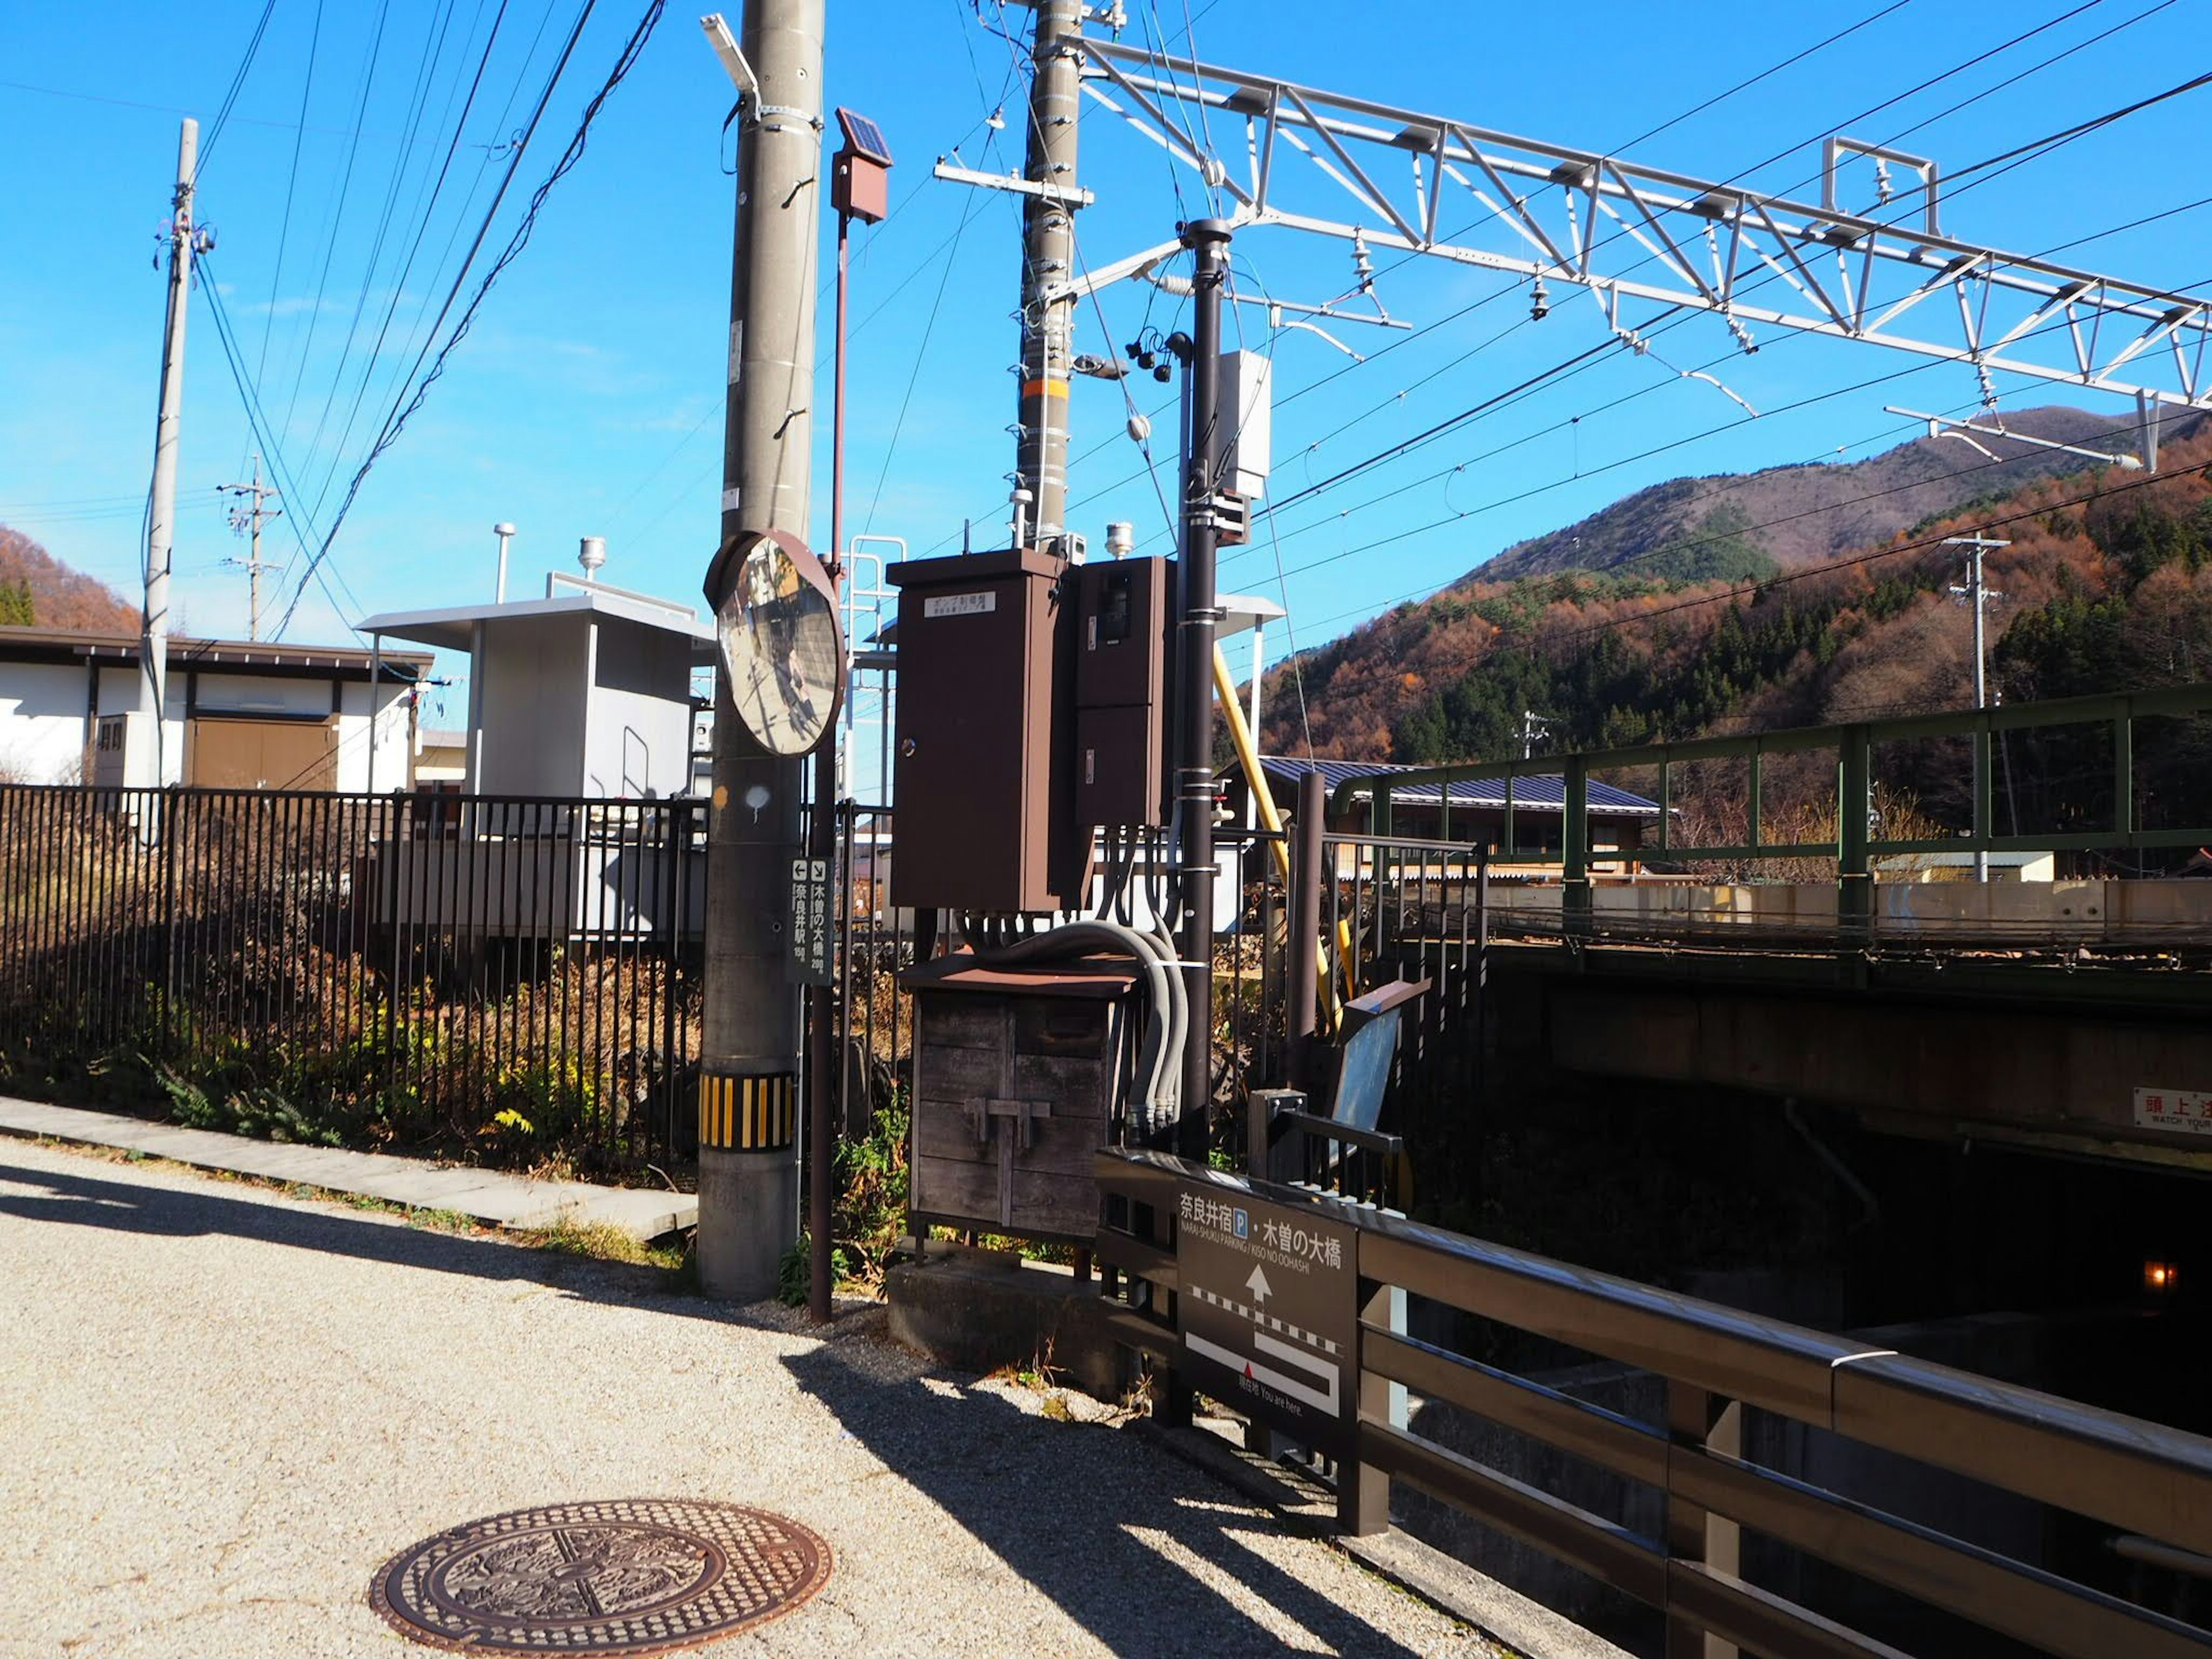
(986, 734)
(1120, 676)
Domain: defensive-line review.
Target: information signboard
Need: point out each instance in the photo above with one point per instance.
(812, 954)
(1269, 1312)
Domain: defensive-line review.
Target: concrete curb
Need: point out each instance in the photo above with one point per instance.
(1504, 1617)
(487, 1195)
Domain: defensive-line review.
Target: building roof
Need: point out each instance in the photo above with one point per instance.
(453, 627)
(19, 644)
(1536, 791)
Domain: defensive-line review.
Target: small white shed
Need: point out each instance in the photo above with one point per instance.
(583, 692)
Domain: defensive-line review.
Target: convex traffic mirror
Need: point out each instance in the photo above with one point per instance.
(775, 621)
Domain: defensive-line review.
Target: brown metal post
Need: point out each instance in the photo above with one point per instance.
(1306, 861)
(822, 843)
(1208, 240)
(1699, 1421)
(1363, 1491)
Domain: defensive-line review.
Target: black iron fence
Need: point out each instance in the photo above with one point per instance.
(515, 978)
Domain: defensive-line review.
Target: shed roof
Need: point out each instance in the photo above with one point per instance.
(1533, 792)
(453, 627)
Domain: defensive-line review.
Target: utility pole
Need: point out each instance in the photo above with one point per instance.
(749, 1045)
(1208, 238)
(251, 518)
(1048, 265)
(161, 522)
(1534, 727)
(1978, 594)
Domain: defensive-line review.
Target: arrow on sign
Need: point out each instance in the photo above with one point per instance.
(1258, 1285)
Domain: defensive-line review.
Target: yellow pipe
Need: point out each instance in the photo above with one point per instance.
(1263, 801)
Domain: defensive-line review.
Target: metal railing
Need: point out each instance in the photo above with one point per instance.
(2128, 1479)
(508, 976)
(1857, 841)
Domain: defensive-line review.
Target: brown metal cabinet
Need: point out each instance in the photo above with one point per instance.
(1018, 1077)
(986, 735)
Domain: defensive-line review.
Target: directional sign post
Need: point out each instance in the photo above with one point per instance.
(1268, 1312)
(810, 952)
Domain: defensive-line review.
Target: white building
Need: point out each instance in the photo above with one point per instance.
(238, 714)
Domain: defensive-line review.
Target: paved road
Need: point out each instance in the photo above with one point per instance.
(221, 1409)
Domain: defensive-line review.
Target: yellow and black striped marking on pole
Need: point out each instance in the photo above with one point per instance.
(748, 1114)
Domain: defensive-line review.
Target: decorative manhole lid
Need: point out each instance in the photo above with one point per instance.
(635, 1576)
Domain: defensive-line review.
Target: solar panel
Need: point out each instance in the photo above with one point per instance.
(864, 137)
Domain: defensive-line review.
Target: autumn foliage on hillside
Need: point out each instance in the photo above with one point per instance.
(35, 588)
(2107, 585)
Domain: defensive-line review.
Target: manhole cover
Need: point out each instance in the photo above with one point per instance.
(631, 1577)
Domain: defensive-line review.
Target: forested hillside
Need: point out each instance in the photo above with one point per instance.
(2107, 585)
(1787, 516)
(35, 588)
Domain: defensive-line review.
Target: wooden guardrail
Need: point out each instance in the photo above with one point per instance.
(2144, 1480)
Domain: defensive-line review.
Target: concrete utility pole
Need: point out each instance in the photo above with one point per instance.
(749, 1050)
(1048, 265)
(1208, 238)
(251, 518)
(161, 525)
(1977, 593)
(1534, 727)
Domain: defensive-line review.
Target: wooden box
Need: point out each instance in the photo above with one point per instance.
(1019, 1075)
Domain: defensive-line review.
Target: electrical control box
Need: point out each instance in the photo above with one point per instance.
(1121, 699)
(984, 750)
(1020, 1077)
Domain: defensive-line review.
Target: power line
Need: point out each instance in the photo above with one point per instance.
(422, 214)
(338, 207)
(291, 181)
(237, 82)
(301, 517)
(520, 239)
(424, 327)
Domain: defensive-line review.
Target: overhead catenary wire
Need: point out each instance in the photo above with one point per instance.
(1419, 439)
(1409, 338)
(1643, 455)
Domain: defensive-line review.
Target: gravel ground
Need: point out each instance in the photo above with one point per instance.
(220, 1409)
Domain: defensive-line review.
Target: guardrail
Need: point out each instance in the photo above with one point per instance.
(1856, 843)
(2144, 1482)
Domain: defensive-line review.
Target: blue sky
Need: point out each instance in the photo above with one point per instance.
(586, 400)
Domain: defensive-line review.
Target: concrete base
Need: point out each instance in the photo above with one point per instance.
(979, 1310)
(748, 1218)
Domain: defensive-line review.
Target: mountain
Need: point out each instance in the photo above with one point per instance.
(36, 587)
(2106, 585)
(1698, 528)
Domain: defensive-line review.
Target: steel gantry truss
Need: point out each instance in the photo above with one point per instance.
(1627, 232)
